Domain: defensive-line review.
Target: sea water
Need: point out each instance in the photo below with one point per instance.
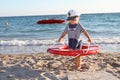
(22, 34)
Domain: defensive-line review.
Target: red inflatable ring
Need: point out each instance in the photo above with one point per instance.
(65, 51)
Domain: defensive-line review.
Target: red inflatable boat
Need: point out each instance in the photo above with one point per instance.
(65, 51)
(51, 21)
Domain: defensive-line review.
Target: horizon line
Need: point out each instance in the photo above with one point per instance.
(58, 14)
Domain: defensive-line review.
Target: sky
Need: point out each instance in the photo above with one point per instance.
(50, 7)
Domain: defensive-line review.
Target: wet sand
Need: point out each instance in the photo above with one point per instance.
(44, 66)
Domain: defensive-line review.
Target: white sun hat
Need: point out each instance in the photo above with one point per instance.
(72, 14)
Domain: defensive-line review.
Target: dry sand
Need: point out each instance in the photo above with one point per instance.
(50, 67)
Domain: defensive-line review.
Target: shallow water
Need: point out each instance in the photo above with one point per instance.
(23, 35)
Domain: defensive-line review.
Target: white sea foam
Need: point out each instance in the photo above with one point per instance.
(37, 46)
(107, 40)
(54, 41)
(26, 42)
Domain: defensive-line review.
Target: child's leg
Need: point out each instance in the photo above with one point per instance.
(78, 62)
(79, 44)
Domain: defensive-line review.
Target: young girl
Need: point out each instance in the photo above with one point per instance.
(74, 29)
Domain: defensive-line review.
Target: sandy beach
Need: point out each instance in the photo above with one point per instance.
(44, 66)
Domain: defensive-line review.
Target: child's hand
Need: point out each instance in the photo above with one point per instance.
(63, 34)
(89, 40)
(59, 40)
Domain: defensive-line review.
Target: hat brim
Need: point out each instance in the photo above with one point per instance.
(71, 18)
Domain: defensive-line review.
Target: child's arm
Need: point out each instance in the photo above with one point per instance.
(87, 35)
(62, 36)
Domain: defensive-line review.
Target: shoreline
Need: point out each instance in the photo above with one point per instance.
(46, 66)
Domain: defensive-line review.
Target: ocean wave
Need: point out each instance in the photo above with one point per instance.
(26, 42)
(54, 41)
(99, 32)
(104, 31)
(42, 30)
(107, 40)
